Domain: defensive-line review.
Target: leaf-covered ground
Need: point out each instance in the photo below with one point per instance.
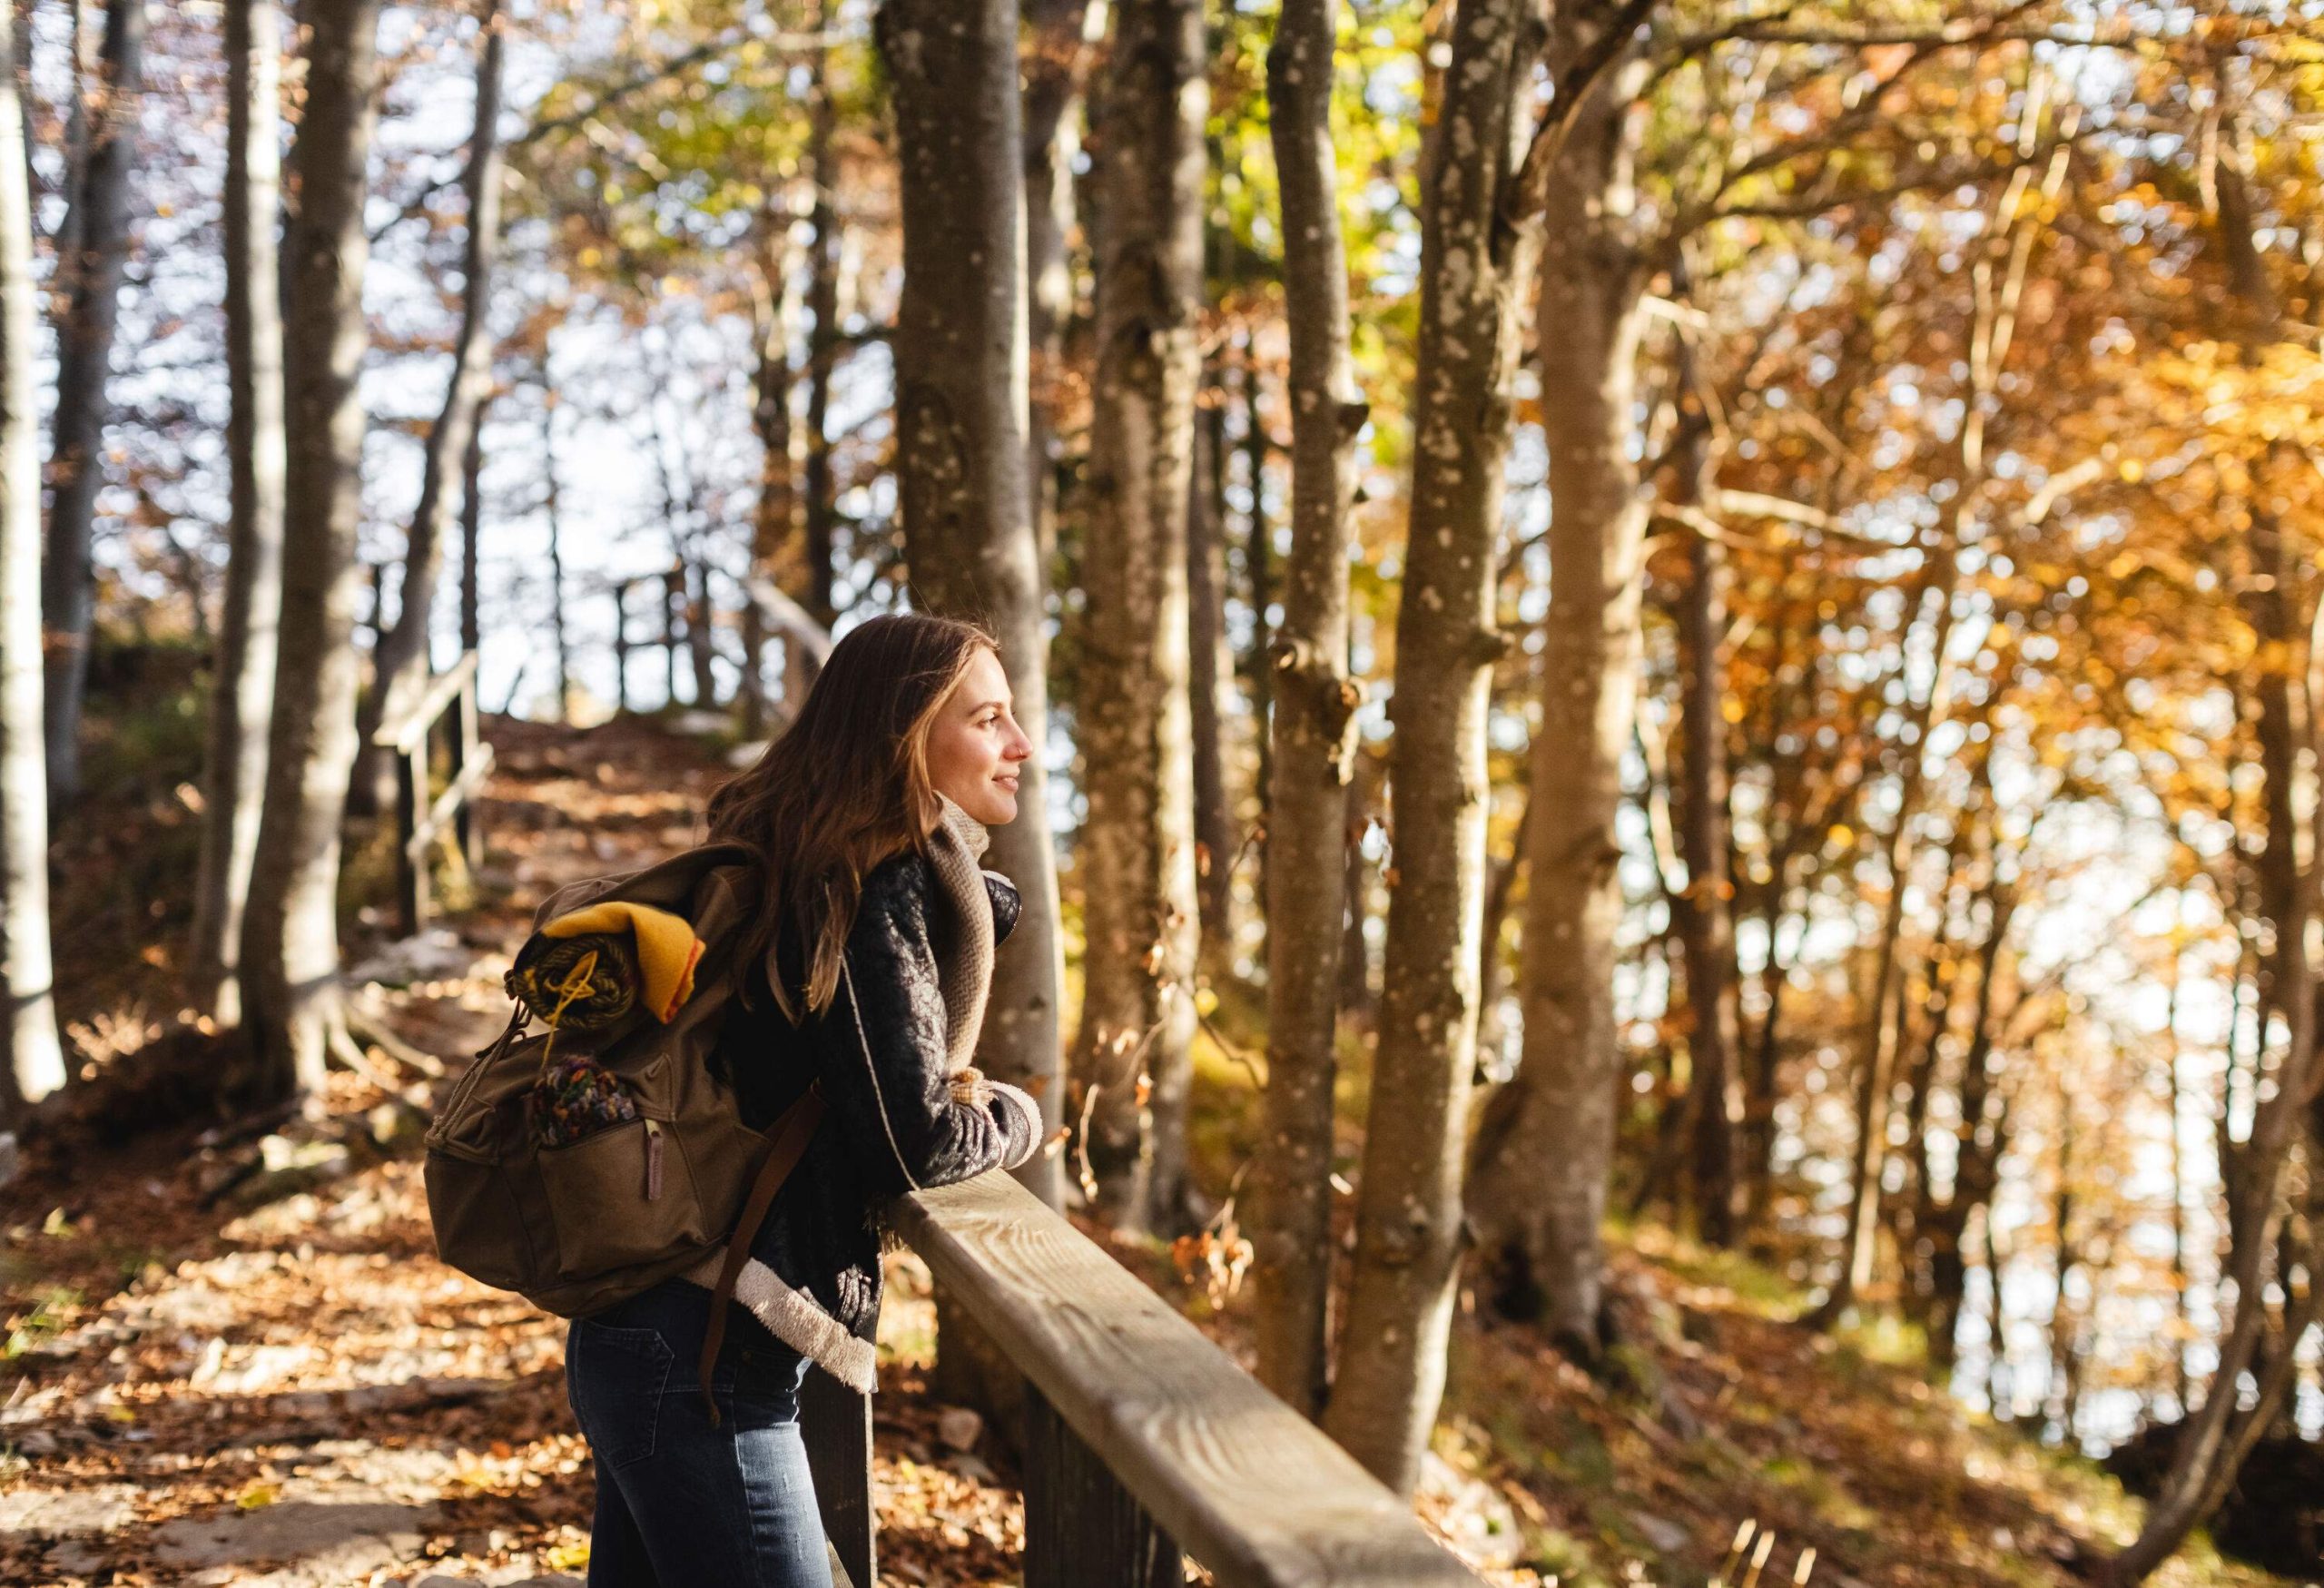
(231, 1355)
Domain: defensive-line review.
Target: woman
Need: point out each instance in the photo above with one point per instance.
(867, 972)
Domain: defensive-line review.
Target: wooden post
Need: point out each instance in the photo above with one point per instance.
(411, 868)
(1082, 1528)
(836, 1424)
(673, 596)
(467, 733)
(621, 649)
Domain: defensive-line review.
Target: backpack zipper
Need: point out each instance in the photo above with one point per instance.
(652, 1161)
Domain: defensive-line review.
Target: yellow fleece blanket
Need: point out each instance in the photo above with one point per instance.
(667, 948)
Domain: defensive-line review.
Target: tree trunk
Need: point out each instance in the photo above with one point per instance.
(1210, 668)
(1763, 1082)
(700, 633)
(1703, 918)
(82, 67)
(90, 276)
(1259, 563)
(674, 601)
(1134, 1053)
(961, 454)
(1980, 1133)
(1057, 61)
(551, 508)
(292, 933)
(1358, 1005)
(1315, 724)
(2059, 1394)
(1493, 971)
(242, 691)
(820, 503)
(403, 663)
(20, 60)
(776, 510)
(1474, 269)
(1543, 1168)
(35, 1057)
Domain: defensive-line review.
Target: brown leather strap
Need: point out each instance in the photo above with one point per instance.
(786, 1142)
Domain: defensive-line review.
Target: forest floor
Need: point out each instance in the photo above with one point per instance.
(208, 1379)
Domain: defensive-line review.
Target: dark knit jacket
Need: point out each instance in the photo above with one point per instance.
(892, 1121)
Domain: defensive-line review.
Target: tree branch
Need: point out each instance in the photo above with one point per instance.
(1582, 76)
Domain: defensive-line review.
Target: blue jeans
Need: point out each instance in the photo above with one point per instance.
(679, 1502)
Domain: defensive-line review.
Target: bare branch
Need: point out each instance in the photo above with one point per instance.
(1583, 74)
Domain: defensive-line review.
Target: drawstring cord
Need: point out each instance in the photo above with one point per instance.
(575, 985)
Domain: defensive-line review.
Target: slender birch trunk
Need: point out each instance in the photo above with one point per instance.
(242, 696)
(960, 454)
(1211, 664)
(1546, 1148)
(820, 505)
(1135, 1048)
(472, 536)
(90, 276)
(291, 932)
(1704, 919)
(35, 1057)
(1057, 46)
(403, 662)
(1473, 272)
(553, 510)
(1315, 724)
(776, 513)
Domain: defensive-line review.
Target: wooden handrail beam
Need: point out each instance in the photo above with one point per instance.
(457, 793)
(1243, 1483)
(403, 724)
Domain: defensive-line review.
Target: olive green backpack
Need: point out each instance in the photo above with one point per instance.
(583, 1161)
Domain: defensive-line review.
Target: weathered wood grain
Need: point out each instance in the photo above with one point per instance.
(1244, 1484)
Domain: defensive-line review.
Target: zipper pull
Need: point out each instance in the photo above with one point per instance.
(652, 1161)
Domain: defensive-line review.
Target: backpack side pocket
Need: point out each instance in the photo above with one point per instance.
(620, 1196)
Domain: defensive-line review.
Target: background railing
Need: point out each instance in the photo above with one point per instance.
(1142, 1438)
(405, 728)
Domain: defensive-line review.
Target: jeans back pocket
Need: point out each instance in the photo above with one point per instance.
(618, 1379)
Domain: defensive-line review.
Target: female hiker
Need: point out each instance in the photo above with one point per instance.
(867, 974)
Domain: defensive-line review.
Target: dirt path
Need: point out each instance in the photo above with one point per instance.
(213, 1382)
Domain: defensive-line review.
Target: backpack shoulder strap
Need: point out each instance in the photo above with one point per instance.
(786, 1143)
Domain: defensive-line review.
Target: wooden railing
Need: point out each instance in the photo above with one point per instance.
(1142, 1439)
(406, 722)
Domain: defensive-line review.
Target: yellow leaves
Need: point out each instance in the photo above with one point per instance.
(257, 1495)
(566, 1557)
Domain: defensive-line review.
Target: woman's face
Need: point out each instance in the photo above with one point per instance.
(975, 747)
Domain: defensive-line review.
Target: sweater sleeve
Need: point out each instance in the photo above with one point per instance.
(885, 1068)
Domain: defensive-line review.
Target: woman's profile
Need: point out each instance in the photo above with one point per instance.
(866, 974)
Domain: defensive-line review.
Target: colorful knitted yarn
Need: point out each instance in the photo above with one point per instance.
(576, 1097)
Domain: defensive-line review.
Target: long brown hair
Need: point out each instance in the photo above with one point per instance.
(845, 787)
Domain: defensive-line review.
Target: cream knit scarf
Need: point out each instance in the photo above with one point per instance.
(965, 974)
